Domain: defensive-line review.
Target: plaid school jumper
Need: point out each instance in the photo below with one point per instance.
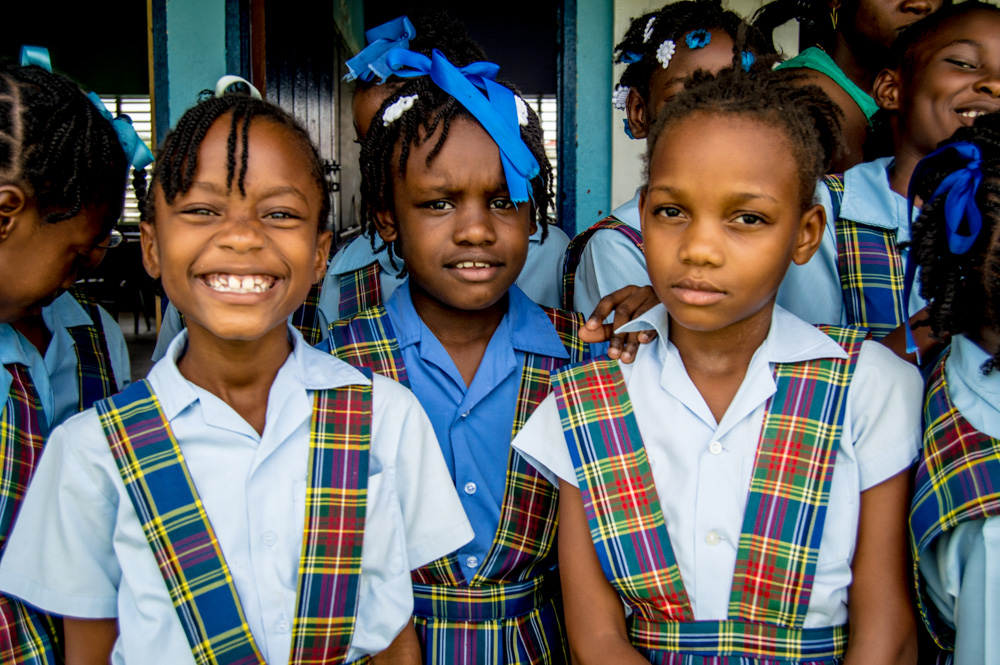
(26, 635)
(571, 259)
(510, 613)
(782, 523)
(94, 371)
(360, 290)
(190, 559)
(957, 480)
(871, 270)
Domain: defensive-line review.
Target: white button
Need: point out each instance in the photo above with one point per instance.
(466, 414)
(282, 626)
(472, 562)
(470, 488)
(715, 448)
(269, 539)
(712, 538)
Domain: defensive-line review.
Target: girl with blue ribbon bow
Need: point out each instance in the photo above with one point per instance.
(955, 513)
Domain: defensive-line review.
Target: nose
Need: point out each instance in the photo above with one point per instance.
(474, 226)
(243, 233)
(699, 244)
(919, 7)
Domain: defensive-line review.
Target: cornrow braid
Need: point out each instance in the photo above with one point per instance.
(776, 97)
(56, 144)
(177, 160)
(956, 285)
(673, 22)
(432, 110)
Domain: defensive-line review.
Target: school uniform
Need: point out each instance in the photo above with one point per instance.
(696, 504)
(496, 599)
(955, 517)
(604, 258)
(26, 635)
(359, 277)
(856, 276)
(82, 550)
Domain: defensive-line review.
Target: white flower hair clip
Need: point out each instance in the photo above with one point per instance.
(647, 34)
(522, 111)
(619, 98)
(665, 52)
(395, 110)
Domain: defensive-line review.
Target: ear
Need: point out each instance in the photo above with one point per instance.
(887, 91)
(811, 227)
(150, 250)
(385, 224)
(635, 111)
(13, 202)
(322, 253)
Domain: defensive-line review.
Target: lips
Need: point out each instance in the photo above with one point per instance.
(972, 111)
(230, 283)
(697, 292)
(475, 269)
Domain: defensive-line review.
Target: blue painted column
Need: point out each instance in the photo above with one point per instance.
(585, 113)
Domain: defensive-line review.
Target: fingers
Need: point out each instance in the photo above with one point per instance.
(627, 303)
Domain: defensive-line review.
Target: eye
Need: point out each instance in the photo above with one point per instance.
(282, 215)
(440, 204)
(667, 211)
(962, 64)
(502, 204)
(198, 211)
(750, 219)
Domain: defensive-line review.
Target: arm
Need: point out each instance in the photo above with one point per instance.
(89, 641)
(404, 650)
(927, 345)
(882, 623)
(595, 619)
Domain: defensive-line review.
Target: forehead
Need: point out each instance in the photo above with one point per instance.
(466, 144)
(273, 152)
(980, 28)
(717, 55)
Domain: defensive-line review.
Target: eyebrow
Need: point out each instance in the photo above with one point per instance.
(274, 191)
(967, 42)
(739, 197)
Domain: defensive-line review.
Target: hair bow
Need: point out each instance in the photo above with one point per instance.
(493, 105)
(36, 55)
(370, 62)
(963, 221)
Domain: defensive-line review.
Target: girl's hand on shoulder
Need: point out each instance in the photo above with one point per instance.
(928, 346)
(627, 303)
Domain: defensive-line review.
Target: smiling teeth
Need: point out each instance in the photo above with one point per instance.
(971, 114)
(238, 284)
(472, 264)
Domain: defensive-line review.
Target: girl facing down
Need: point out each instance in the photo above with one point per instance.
(738, 494)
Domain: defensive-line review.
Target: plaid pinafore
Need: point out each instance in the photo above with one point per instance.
(871, 270)
(184, 543)
(957, 480)
(510, 613)
(360, 290)
(571, 260)
(94, 371)
(26, 635)
(782, 523)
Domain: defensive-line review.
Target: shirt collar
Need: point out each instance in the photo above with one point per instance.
(359, 254)
(528, 326)
(66, 312)
(11, 350)
(789, 340)
(965, 360)
(314, 369)
(629, 212)
(868, 198)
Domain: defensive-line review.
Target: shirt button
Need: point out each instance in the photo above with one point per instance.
(712, 538)
(715, 448)
(269, 539)
(466, 414)
(470, 488)
(472, 562)
(282, 626)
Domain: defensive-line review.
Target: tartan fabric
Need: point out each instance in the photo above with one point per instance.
(522, 549)
(957, 480)
(187, 551)
(871, 270)
(571, 260)
(94, 371)
(360, 290)
(790, 486)
(783, 521)
(305, 318)
(26, 635)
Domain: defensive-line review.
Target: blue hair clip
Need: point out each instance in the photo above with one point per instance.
(370, 62)
(493, 105)
(746, 60)
(628, 130)
(963, 221)
(698, 38)
(36, 55)
(628, 57)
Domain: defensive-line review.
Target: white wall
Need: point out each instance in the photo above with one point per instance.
(626, 154)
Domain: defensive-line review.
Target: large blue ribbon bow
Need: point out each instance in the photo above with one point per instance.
(137, 152)
(492, 104)
(370, 62)
(963, 221)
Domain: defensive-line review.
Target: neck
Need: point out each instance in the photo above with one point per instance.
(857, 67)
(904, 163)
(33, 329)
(727, 350)
(989, 340)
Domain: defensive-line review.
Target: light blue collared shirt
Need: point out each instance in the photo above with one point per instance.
(15, 349)
(962, 570)
(474, 423)
(813, 291)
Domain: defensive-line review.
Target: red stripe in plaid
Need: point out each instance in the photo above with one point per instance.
(360, 290)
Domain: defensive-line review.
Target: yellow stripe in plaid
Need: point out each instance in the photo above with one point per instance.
(738, 638)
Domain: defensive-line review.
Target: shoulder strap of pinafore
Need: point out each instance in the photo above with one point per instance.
(188, 553)
(571, 259)
(368, 339)
(94, 370)
(360, 290)
(305, 318)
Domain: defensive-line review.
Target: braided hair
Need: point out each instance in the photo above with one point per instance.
(177, 160)
(776, 97)
(813, 17)
(956, 286)
(433, 110)
(55, 143)
(673, 22)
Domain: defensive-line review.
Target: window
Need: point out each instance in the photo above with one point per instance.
(139, 109)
